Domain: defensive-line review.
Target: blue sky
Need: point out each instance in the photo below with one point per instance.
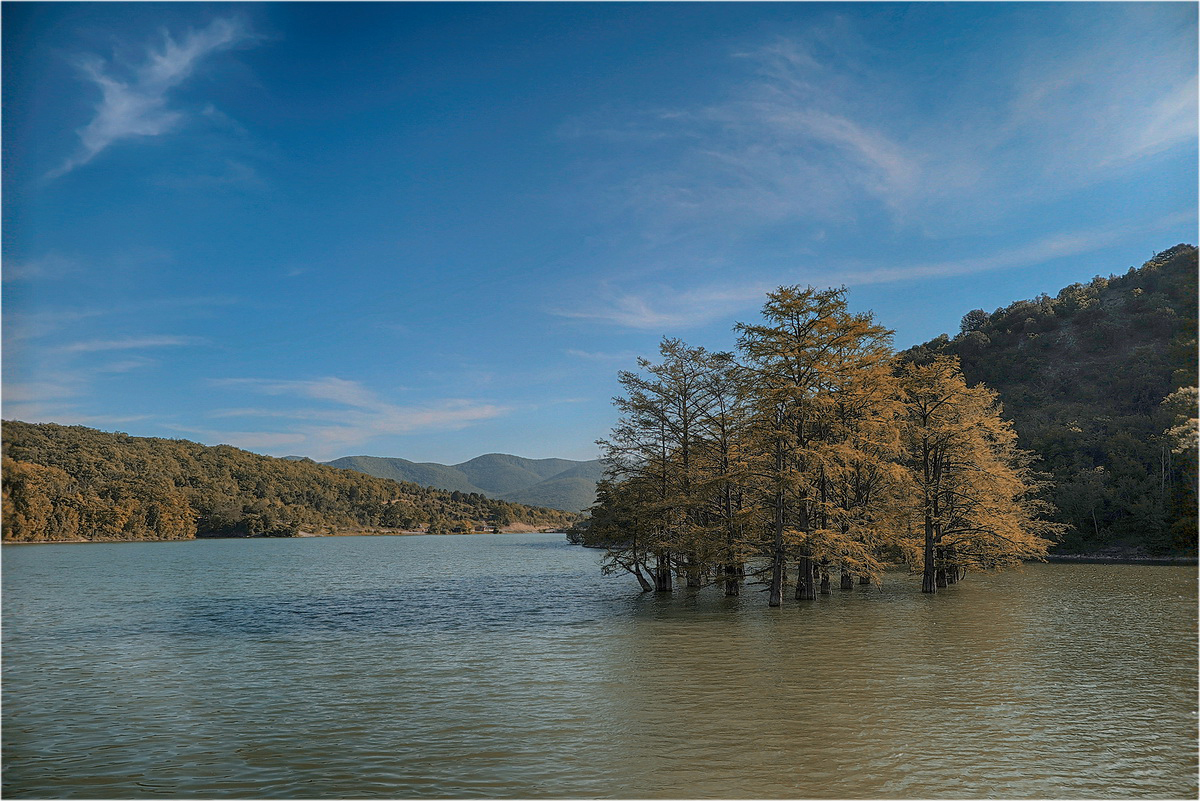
(439, 230)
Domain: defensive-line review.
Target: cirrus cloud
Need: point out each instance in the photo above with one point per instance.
(330, 415)
(137, 106)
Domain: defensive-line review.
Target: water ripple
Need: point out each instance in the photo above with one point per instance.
(425, 667)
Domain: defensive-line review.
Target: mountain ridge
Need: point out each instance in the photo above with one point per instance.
(565, 484)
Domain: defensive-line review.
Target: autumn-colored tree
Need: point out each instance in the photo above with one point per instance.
(39, 502)
(722, 468)
(812, 366)
(859, 472)
(974, 503)
(813, 449)
(654, 444)
(1082, 377)
(622, 522)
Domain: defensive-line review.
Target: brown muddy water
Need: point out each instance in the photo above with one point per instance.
(505, 666)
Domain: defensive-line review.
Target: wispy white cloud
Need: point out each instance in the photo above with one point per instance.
(821, 130)
(63, 382)
(66, 414)
(338, 390)
(38, 391)
(257, 441)
(664, 309)
(20, 325)
(1169, 120)
(1065, 114)
(660, 309)
(827, 140)
(229, 174)
(593, 356)
(347, 414)
(130, 343)
(1031, 254)
(124, 366)
(49, 266)
(55, 399)
(137, 106)
(790, 142)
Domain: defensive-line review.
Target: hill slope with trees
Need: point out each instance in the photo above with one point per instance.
(555, 483)
(76, 483)
(1095, 381)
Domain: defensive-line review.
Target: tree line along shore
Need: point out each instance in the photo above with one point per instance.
(63, 483)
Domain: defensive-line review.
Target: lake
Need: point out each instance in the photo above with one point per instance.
(507, 666)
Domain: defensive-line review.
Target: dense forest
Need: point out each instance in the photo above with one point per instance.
(76, 483)
(1099, 381)
(812, 449)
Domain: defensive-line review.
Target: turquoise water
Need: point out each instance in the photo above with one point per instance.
(507, 666)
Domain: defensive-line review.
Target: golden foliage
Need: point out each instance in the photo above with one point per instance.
(814, 447)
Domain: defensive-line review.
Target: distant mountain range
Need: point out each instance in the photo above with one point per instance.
(554, 483)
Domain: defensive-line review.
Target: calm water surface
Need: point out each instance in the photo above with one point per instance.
(506, 666)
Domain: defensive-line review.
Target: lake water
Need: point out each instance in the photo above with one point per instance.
(506, 666)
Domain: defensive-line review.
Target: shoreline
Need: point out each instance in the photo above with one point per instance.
(298, 536)
(1108, 559)
(1074, 558)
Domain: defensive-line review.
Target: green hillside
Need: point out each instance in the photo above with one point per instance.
(76, 483)
(427, 474)
(1085, 377)
(558, 493)
(591, 471)
(496, 473)
(501, 472)
(553, 483)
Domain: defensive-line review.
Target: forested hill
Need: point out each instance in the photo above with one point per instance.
(76, 483)
(1085, 377)
(556, 483)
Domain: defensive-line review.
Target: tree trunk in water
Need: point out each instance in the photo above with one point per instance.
(693, 572)
(637, 570)
(847, 580)
(776, 580)
(732, 587)
(778, 554)
(806, 584)
(939, 572)
(864, 580)
(825, 589)
(777, 567)
(646, 585)
(662, 573)
(928, 580)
